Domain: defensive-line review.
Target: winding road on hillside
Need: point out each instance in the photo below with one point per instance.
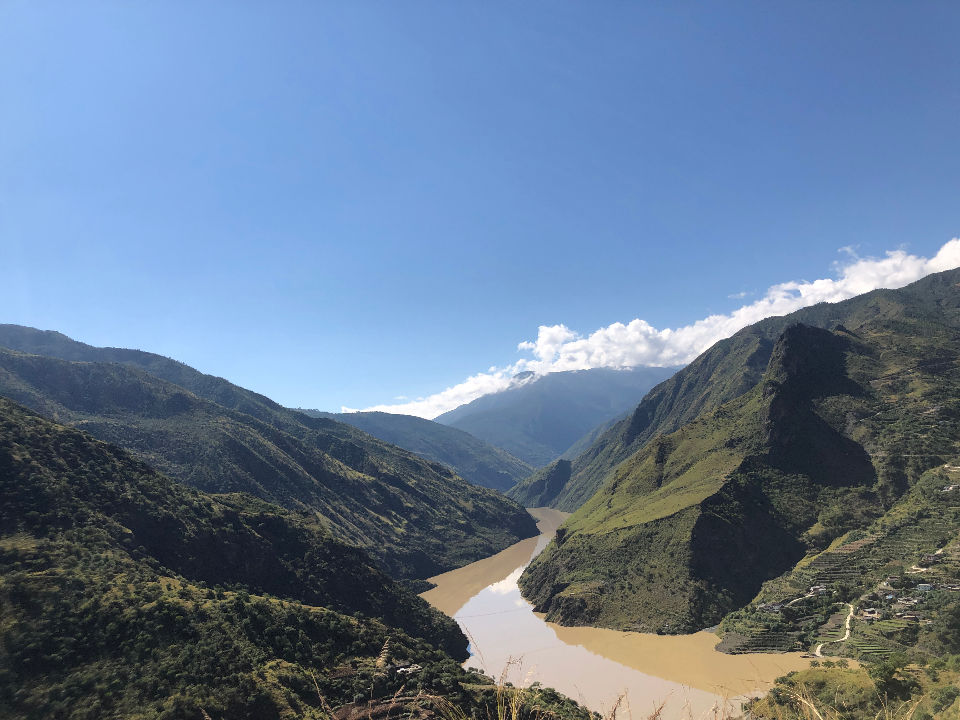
(845, 637)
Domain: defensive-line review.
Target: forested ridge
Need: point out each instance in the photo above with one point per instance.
(416, 517)
(126, 594)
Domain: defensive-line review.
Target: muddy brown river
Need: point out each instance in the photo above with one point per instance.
(591, 665)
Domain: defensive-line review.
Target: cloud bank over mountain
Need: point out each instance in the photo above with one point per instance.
(558, 348)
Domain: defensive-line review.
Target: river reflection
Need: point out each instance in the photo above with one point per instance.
(590, 665)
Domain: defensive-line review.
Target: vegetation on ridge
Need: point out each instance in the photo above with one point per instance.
(731, 368)
(125, 594)
(415, 517)
(472, 459)
(841, 426)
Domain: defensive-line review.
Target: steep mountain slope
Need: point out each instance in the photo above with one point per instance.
(50, 343)
(725, 371)
(538, 418)
(551, 483)
(471, 458)
(416, 518)
(125, 594)
(687, 528)
(542, 487)
(587, 441)
(878, 564)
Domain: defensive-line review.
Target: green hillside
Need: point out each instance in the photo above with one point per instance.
(837, 429)
(126, 595)
(724, 372)
(901, 577)
(542, 487)
(472, 459)
(537, 419)
(415, 517)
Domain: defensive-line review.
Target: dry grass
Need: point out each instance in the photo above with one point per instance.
(806, 707)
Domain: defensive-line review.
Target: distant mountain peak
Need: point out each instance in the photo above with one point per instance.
(538, 417)
(521, 379)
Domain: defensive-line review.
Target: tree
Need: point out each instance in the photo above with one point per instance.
(886, 679)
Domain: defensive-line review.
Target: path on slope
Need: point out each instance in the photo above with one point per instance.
(845, 637)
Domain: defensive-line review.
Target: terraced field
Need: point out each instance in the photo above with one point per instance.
(869, 649)
(765, 641)
(926, 521)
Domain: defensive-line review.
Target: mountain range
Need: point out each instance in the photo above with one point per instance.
(126, 594)
(770, 446)
(725, 371)
(473, 459)
(539, 417)
(173, 545)
(416, 518)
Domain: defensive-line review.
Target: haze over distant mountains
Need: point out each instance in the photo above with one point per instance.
(538, 418)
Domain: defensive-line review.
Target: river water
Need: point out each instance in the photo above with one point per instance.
(683, 673)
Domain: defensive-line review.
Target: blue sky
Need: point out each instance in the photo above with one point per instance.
(343, 203)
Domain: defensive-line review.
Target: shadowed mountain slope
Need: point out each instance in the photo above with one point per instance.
(59, 480)
(126, 594)
(416, 518)
(472, 459)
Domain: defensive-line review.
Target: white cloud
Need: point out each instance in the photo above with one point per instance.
(550, 341)
(559, 348)
(491, 381)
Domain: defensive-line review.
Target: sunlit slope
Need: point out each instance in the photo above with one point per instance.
(726, 371)
(687, 528)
